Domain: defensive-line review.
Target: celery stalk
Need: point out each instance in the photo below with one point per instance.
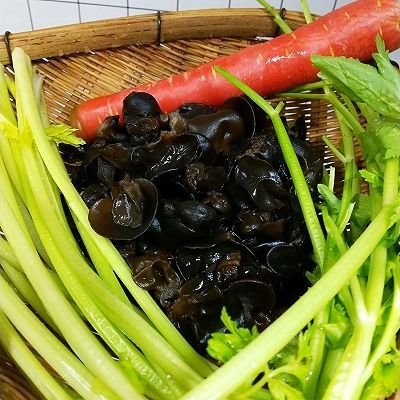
(69, 323)
(67, 365)
(100, 263)
(60, 176)
(61, 247)
(24, 287)
(29, 364)
(7, 254)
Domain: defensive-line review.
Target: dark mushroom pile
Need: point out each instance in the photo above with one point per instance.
(201, 205)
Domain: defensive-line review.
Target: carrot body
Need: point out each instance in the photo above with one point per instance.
(270, 67)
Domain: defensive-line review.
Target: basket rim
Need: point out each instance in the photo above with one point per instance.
(245, 23)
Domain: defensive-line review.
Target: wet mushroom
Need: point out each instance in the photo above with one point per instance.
(141, 114)
(200, 177)
(171, 153)
(129, 213)
(262, 181)
(201, 205)
(253, 302)
(111, 130)
(154, 272)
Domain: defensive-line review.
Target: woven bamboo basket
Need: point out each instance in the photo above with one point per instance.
(87, 60)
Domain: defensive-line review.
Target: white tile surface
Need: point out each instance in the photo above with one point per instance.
(193, 5)
(15, 15)
(396, 56)
(253, 3)
(99, 3)
(167, 5)
(95, 12)
(53, 13)
(320, 7)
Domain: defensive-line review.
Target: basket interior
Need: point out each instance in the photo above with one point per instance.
(72, 79)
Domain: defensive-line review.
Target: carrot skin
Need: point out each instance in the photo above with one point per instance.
(268, 68)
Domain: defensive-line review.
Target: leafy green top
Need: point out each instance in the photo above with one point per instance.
(378, 87)
(63, 134)
(223, 346)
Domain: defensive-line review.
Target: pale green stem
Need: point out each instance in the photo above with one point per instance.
(28, 363)
(392, 326)
(306, 11)
(346, 381)
(292, 162)
(7, 254)
(307, 87)
(347, 375)
(26, 290)
(72, 327)
(343, 110)
(334, 150)
(305, 96)
(65, 363)
(77, 206)
(101, 264)
(284, 27)
(60, 247)
(110, 333)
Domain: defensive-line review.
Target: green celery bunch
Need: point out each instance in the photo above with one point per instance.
(73, 300)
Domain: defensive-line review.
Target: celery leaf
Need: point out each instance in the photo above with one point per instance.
(386, 377)
(372, 178)
(223, 346)
(377, 87)
(382, 135)
(362, 210)
(384, 65)
(63, 134)
(332, 202)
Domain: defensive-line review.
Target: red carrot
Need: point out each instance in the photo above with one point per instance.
(269, 67)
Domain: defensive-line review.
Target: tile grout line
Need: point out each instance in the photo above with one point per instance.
(79, 11)
(86, 3)
(30, 14)
(128, 7)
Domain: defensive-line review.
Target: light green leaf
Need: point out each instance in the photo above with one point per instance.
(63, 134)
(329, 197)
(382, 136)
(388, 133)
(362, 210)
(379, 88)
(372, 178)
(384, 65)
(223, 346)
(386, 377)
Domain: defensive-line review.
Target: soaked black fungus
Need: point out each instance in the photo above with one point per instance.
(111, 131)
(201, 205)
(128, 212)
